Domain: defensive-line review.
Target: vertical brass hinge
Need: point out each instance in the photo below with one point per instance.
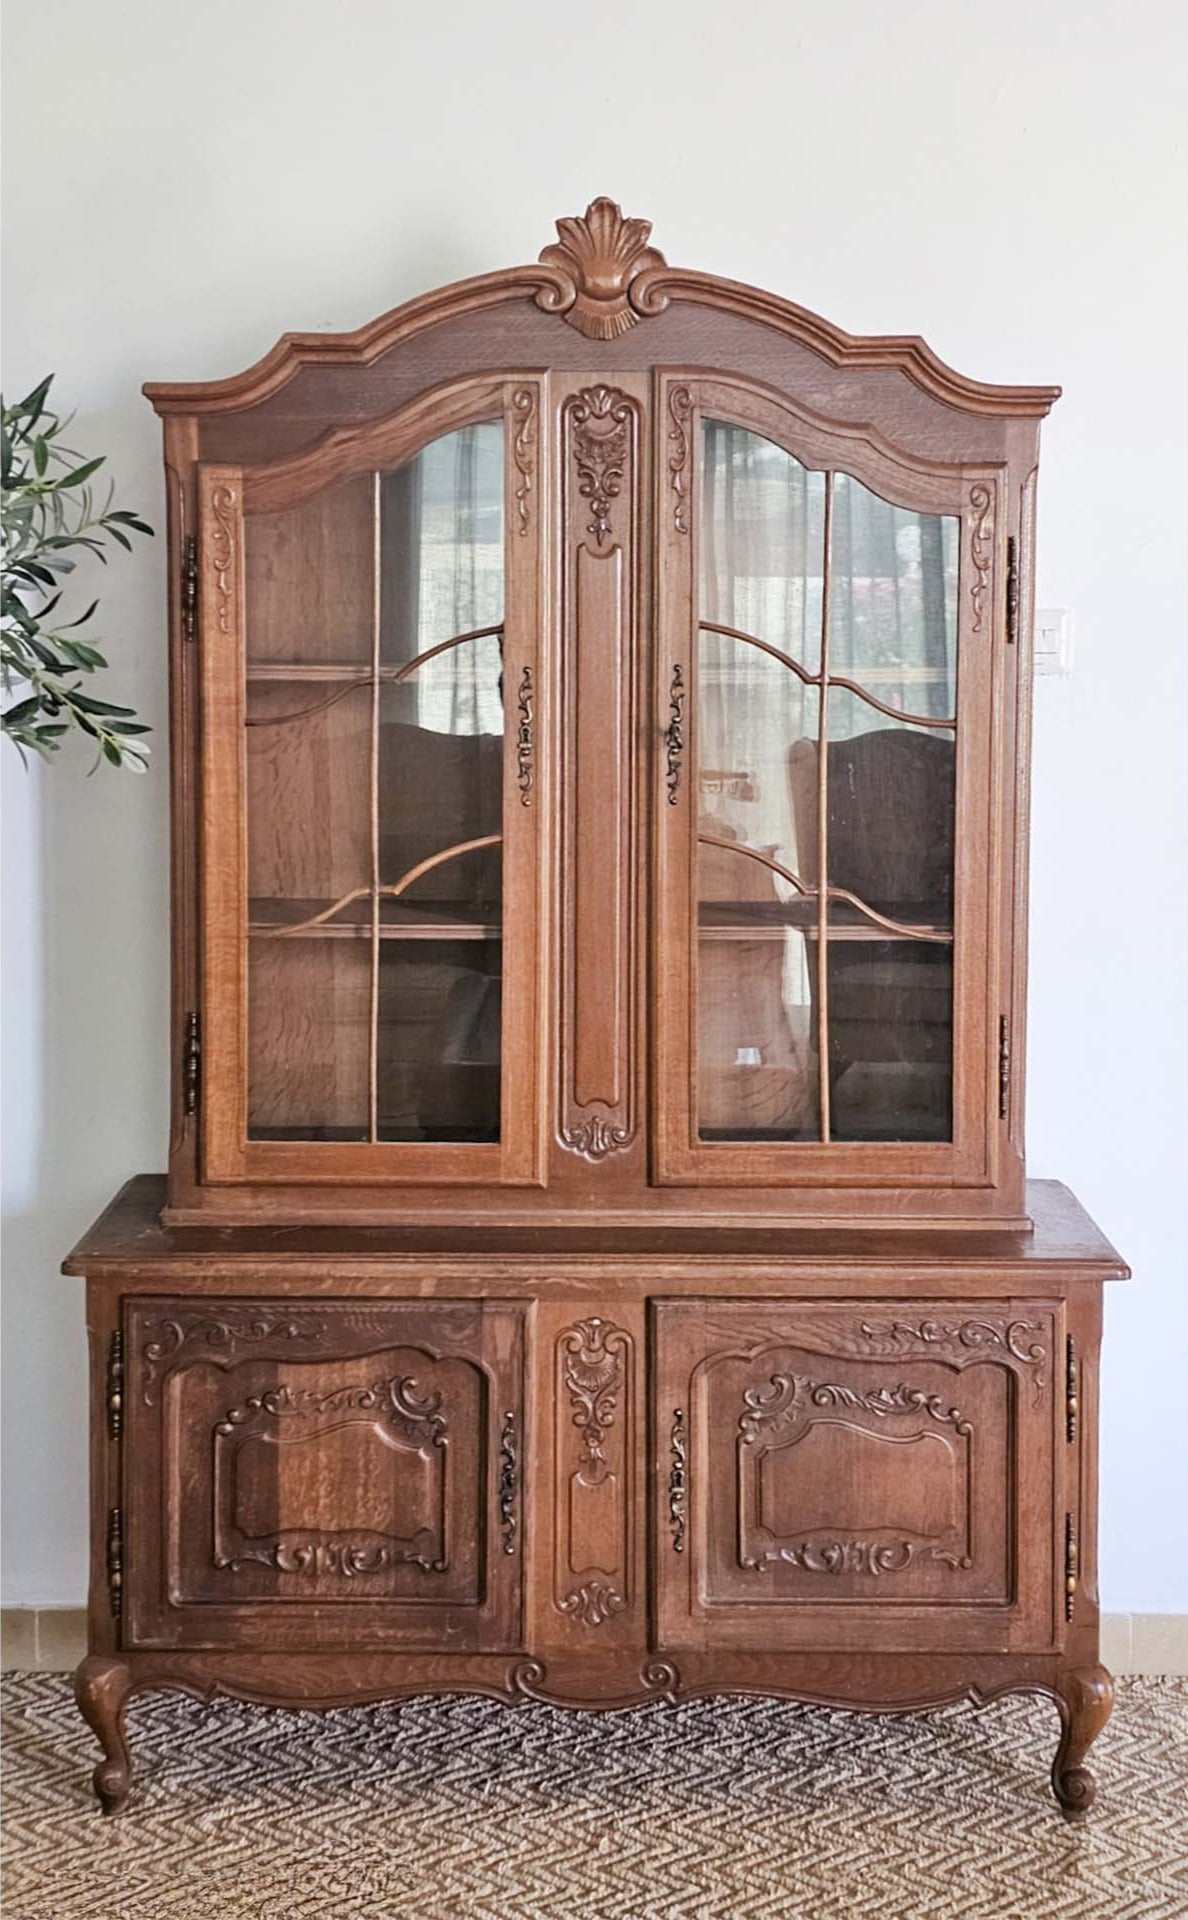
(1070, 1564)
(1012, 591)
(1071, 1402)
(1004, 1065)
(115, 1385)
(115, 1560)
(189, 588)
(191, 1064)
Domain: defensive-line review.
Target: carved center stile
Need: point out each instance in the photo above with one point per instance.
(594, 1358)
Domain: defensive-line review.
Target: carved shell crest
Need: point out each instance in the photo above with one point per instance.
(598, 255)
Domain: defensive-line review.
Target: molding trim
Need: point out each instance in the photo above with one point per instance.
(54, 1640)
(602, 277)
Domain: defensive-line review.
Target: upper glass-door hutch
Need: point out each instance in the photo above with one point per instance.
(600, 746)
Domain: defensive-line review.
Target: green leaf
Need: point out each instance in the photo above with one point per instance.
(69, 625)
(24, 710)
(80, 474)
(33, 405)
(90, 705)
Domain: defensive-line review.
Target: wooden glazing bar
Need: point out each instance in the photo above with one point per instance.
(817, 679)
(376, 622)
(823, 823)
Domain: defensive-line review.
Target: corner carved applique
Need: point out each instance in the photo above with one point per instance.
(602, 262)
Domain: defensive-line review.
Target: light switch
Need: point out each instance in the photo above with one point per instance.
(1052, 644)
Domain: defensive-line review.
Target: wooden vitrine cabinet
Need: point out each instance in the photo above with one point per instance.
(595, 1261)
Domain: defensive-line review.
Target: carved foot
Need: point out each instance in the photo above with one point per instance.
(1087, 1695)
(101, 1687)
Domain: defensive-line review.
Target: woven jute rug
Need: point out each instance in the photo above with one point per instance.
(459, 1809)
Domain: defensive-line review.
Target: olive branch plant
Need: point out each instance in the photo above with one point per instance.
(49, 513)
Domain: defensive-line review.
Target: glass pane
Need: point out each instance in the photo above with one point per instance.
(891, 819)
(893, 599)
(762, 541)
(761, 573)
(374, 962)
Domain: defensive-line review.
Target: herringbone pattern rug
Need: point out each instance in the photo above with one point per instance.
(459, 1809)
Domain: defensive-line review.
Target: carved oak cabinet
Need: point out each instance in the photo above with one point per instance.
(596, 1263)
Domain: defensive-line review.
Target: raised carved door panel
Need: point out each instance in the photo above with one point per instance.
(322, 1473)
(874, 1474)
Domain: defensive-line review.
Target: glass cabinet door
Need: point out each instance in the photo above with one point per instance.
(811, 863)
(377, 629)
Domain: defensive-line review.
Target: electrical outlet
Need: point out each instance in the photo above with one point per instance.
(1052, 643)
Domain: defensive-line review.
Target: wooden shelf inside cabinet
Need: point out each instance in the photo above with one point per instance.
(771, 920)
(293, 919)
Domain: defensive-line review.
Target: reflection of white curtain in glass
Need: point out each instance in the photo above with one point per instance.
(893, 628)
(452, 526)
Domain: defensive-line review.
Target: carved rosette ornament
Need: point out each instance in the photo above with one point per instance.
(602, 262)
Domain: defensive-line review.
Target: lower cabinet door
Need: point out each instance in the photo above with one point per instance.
(867, 1474)
(313, 1473)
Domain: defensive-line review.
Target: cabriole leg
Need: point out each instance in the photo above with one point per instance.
(1088, 1695)
(101, 1687)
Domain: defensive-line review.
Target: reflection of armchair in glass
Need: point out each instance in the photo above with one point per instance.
(754, 1070)
(890, 1000)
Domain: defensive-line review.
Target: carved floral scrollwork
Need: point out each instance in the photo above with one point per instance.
(595, 1138)
(601, 420)
(981, 500)
(219, 1333)
(524, 453)
(222, 550)
(1008, 1339)
(593, 1369)
(680, 409)
(594, 1356)
(772, 1412)
(593, 1603)
(598, 258)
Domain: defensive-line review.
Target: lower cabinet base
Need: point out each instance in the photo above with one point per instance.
(866, 1683)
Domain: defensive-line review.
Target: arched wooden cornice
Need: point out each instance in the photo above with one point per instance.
(603, 278)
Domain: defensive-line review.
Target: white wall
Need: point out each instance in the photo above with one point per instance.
(185, 182)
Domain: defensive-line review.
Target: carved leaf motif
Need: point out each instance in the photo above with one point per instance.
(873, 1557)
(600, 418)
(593, 1369)
(1006, 1338)
(524, 453)
(774, 1411)
(394, 1400)
(598, 257)
(593, 1603)
(981, 501)
(219, 1333)
(595, 1138)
